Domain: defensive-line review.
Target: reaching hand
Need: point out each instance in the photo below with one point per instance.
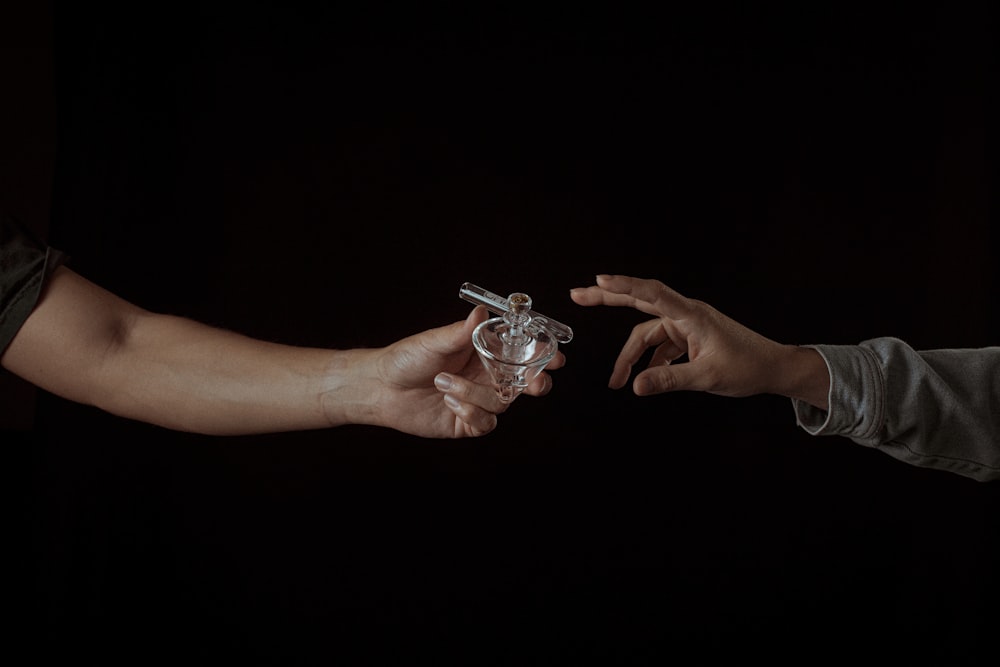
(724, 357)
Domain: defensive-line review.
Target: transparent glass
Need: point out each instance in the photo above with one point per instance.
(518, 344)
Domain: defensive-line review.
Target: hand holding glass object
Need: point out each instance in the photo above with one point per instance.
(517, 345)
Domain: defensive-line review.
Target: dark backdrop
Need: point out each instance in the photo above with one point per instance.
(330, 176)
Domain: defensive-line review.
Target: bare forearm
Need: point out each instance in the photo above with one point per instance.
(87, 345)
(188, 376)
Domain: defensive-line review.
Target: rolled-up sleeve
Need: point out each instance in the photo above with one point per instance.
(25, 264)
(934, 409)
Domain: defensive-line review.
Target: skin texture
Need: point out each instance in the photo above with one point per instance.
(724, 357)
(85, 344)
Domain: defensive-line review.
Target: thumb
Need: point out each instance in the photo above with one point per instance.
(666, 378)
(478, 315)
(457, 336)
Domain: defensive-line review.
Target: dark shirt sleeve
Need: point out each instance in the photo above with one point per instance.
(25, 264)
(933, 408)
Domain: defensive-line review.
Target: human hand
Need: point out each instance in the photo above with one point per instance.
(432, 384)
(724, 357)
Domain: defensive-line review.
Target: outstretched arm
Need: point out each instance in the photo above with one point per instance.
(88, 345)
(933, 408)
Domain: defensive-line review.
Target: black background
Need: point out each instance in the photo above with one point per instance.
(329, 176)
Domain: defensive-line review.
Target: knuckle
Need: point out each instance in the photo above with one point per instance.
(664, 381)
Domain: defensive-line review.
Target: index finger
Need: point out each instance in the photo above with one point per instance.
(647, 295)
(558, 361)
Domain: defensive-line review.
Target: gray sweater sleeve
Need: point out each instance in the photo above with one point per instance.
(935, 409)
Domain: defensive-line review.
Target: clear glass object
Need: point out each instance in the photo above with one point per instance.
(518, 344)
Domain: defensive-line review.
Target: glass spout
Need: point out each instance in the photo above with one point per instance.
(498, 305)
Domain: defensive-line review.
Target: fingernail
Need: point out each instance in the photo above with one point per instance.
(452, 402)
(442, 381)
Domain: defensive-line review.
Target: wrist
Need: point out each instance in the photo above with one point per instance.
(347, 395)
(804, 376)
